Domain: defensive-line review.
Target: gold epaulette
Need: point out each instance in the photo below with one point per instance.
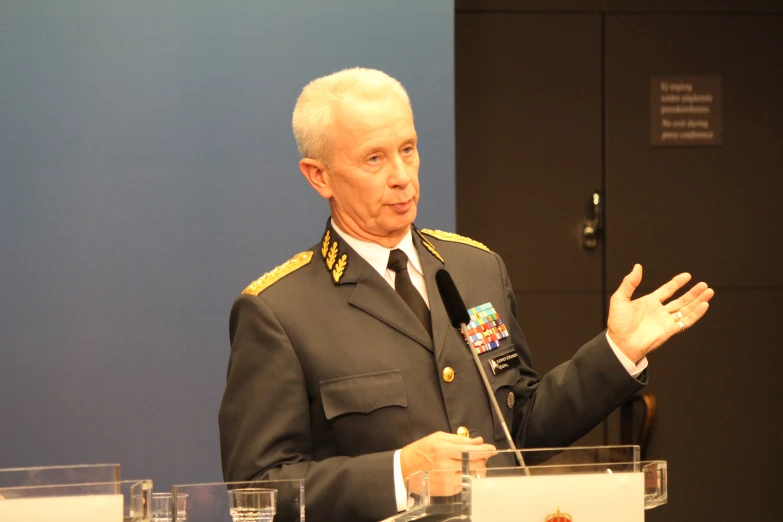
(455, 238)
(275, 275)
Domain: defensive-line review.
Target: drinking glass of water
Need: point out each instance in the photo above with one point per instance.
(163, 507)
(252, 504)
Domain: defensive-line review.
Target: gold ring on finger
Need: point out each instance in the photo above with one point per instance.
(682, 326)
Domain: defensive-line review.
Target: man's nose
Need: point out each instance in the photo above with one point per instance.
(399, 174)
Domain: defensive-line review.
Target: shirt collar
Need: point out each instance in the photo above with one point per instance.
(378, 255)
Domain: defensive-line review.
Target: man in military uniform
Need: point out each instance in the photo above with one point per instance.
(344, 367)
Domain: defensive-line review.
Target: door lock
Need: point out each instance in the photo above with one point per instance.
(593, 226)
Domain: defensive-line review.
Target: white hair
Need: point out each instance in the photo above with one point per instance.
(315, 106)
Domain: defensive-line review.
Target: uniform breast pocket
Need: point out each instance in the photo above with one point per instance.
(368, 413)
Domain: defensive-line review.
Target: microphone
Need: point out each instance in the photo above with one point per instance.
(455, 306)
(459, 317)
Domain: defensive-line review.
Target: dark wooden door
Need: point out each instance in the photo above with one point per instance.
(528, 125)
(553, 105)
(712, 211)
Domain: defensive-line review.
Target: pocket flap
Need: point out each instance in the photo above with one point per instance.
(363, 393)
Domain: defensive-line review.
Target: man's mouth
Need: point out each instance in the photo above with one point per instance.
(400, 207)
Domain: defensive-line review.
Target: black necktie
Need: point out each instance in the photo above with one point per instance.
(398, 262)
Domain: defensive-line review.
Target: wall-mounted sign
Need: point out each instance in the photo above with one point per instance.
(685, 111)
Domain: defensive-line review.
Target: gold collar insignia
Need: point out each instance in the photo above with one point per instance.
(330, 256)
(429, 246)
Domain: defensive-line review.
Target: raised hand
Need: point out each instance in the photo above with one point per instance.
(640, 326)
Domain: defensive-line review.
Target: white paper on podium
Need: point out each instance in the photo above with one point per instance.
(81, 508)
(617, 497)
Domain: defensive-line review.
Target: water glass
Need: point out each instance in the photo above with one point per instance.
(252, 504)
(162, 507)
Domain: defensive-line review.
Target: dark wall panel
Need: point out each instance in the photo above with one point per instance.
(702, 209)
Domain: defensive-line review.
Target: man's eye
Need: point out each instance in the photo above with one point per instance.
(408, 149)
(374, 159)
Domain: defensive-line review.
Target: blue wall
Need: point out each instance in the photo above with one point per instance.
(147, 174)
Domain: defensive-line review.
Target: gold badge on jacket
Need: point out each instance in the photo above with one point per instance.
(335, 263)
(429, 246)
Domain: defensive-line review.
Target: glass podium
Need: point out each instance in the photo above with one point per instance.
(53, 475)
(83, 493)
(580, 484)
(95, 493)
(116, 501)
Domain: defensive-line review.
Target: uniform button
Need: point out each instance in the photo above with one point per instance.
(448, 374)
(463, 431)
(510, 399)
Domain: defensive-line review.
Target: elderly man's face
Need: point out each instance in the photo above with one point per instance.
(373, 173)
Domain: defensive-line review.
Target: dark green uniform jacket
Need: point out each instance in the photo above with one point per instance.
(330, 372)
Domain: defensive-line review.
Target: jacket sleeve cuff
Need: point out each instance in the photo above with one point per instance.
(400, 491)
(633, 369)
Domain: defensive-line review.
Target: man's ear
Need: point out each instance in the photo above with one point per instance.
(316, 174)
